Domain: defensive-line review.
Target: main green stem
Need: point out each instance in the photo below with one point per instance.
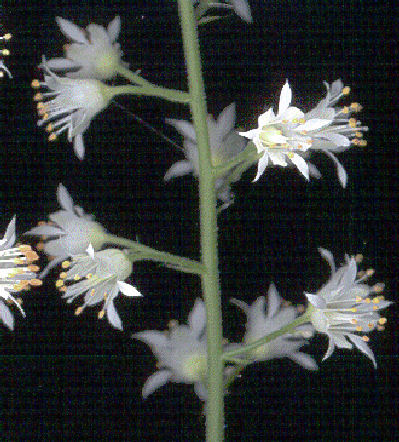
(208, 225)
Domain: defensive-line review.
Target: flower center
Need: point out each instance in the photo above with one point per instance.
(194, 367)
(270, 136)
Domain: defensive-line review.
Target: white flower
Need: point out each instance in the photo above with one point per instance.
(286, 137)
(71, 231)
(225, 143)
(70, 105)
(260, 324)
(93, 53)
(181, 353)
(240, 7)
(345, 306)
(101, 277)
(17, 273)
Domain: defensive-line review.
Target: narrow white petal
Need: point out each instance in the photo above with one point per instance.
(6, 316)
(71, 31)
(328, 256)
(301, 164)
(262, 164)
(316, 300)
(313, 124)
(274, 301)
(90, 251)
(45, 230)
(285, 98)
(184, 127)
(63, 197)
(201, 391)
(180, 168)
(342, 176)
(330, 349)
(304, 360)
(61, 64)
(113, 29)
(266, 117)
(9, 237)
(128, 289)
(78, 146)
(338, 139)
(277, 158)
(249, 134)
(242, 9)
(363, 347)
(113, 316)
(314, 171)
(227, 119)
(155, 381)
(197, 317)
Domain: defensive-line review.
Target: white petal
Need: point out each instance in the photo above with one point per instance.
(184, 127)
(113, 317)
(343, 178)
(301, 164)
(314, 171)
(155, 339)
(78, 146)
(328, 256)
(9, 237)
(285, 98)
(277, 158)
(113, 29)
(313, 124)
(201, 391)
(316, 300)
(338, 139)
(262, 164)
(242, 9)
(63, 197)
(6, 315)
(274, 301)
(330, 349)
(266, 117)
(90, 251)
(180, 168)
(155, 381)
(71, 31)
(128, 290)
(249, 134)
(304, 360)
(45, 230)
(227, 119)
(61, 63)
(363, 347)
(197, 317)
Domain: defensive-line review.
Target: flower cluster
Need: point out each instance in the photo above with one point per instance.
(225, 144)
(278, 315)
(346, 306)
(4, 52)
(286, 137)
(100, 276)
(69, 231)
(17, 273)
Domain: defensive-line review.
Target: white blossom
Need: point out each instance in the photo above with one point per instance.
(17, 273)
(100, 276)
(286, 137)
(260, 324)
(346, 306)
(225, 143)
(93, 53)
(70, 106)
(69, 231)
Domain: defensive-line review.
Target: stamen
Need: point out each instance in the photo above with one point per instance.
(59, 283)
(363, 143)
(79, 310)
(5, 52)
(346, 90)
(52, 137)
(100, 314)
(354, 321)
(359, 258)
(365, 338)
(36, 282)
(359, 328)
(63, 275)
(382, 321)
(65, 264)
(35, 84)
(352, 122)
(378, 288)
(345, 110)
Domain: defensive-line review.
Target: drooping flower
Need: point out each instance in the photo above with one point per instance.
(240, 7)
(181, 353)
(260, 324)
(70, 105)
(346, 306)
(225, 143)
(70, 231)
(100, 276)
(287, 137)
(17, 273)
(93, 53)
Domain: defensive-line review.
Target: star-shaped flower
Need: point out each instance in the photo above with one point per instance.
(346, 306)
(71, 231)
(17, 273)
(288, 136)
(100, 277)
(93, 53)
(72, 106)
(260, 324)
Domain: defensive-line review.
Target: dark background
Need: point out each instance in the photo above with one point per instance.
(76, 378)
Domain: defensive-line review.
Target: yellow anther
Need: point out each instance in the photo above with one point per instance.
(19, 301)
(370, 325)
(65, 264)
(358, 299)
(358, 134)
(49, 127)
(352, 122)
(63, 289)
(92, 292)
(376, 300)
(353, 309)
(52, 137)
(382, 321)
(105, 296)
(24, 247)
(375, 307)
(345, 110)
(100, 314)
(59, 283)
(7, 36)
(355, 105)
(303, 132)
(36, 282)
(302, 120)
(63, 275)
(290, 155)
(31, 256)
(35, 83)
(5, 52)
(40, 246)
(78, 311)
(346, 90)
(284, 121)
(295, 120)
(370, 272)
(380, 328)
(359, 328)
(363, 143)
(77, 277)
(354, 321)
(17, 287)
(359, 258)
(38, 97)
(89, 275)
(367, 300)
(365, 338)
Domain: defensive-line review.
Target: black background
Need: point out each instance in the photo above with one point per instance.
(76, 378)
